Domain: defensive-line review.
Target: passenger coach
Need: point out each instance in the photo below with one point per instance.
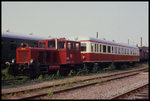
(97, 50)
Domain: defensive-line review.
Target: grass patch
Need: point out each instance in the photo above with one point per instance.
(5, 75)
(50, 93)
(112, 67)
(83, 71)
(95, 68)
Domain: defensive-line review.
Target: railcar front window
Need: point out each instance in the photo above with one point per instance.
(42, 44)
(92, 45)
(83, 46)
(51, 44)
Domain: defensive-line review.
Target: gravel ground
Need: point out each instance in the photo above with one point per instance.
(105, 90)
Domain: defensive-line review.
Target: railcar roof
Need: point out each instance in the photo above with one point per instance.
(108, 42)
(17, 36)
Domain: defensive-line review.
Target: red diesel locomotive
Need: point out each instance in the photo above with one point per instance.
(62, 54)
(51, 54)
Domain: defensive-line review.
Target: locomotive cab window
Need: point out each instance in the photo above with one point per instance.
(72, 46)
(61, 44)
(42, 44)
(83, 46)
(69, 45)
(51, 44)
(77, 46)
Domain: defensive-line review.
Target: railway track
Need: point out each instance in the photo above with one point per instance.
(66, 86)
(141, 93)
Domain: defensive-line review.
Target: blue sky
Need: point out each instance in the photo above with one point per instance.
(117, 21)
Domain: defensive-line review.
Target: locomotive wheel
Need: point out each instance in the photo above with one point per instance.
(13, 70)
(34, 70)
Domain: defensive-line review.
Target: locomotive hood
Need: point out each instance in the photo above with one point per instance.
(25, 54)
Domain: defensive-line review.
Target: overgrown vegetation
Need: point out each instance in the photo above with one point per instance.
(50, 93)
(112, 67)
(5, 75)
(84, 71)
(95, 68)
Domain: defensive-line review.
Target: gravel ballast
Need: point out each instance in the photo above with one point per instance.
(106, 90)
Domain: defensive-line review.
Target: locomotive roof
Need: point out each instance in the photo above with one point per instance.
(108, 42)
(17, 36)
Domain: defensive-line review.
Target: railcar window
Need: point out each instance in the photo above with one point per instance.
(61, 44)
(104, 48)
(112, 49)
(124, 50)
(128, 51)
(109, 49)
(13, 45)
(35, 44)
(131, 52)
(2, 44)
(77, 46)
(92, 45)
(100, 47)
(83, 46)
(97, 47)
(134, 52)
(51, 44)
(42, 44)
(118, 50)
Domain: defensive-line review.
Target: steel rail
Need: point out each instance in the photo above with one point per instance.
(121, 96)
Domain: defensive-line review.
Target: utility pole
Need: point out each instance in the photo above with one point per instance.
(141, 41)
(128, 41)
(97, 35)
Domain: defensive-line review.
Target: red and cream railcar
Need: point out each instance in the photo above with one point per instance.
(97, 50)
